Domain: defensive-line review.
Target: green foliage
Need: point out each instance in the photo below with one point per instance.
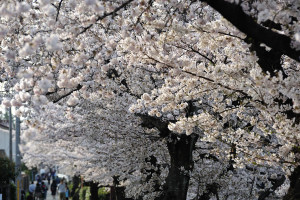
(25, 169)
(7, 169)
(87, 194)
(27, 194)
(13, 192)
(32, 172)
(102, 193)
(70, 186)
(83, 193)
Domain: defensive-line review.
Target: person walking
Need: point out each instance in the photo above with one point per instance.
(38, 178)
(49, 178)
(38, 192)
(53, 188)
(44, 190)
(62, 190)
(32, 188)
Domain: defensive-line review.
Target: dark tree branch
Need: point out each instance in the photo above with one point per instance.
(245, 23)
(67, 94)
(269, 61)
(58, 9)
(256, 35)
(106, 15)
(210, 80)
(270, 24)
(140, 16)
(197, 52)
(154, 122)
(294, 192)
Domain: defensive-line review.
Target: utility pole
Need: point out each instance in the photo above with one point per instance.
(10, 135)
(18, 159)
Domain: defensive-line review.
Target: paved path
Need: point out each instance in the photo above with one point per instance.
(49, 196)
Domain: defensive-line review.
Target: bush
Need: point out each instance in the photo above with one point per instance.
(83, 193)
(13, 192)
(102, 193)
(7, 169)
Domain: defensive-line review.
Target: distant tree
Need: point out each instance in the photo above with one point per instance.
(7, 169)
(7, 173)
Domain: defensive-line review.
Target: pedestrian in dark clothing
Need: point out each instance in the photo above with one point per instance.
(48, 178)
(53, 188)
(44, 190)
(57, 180)
(38, 191)
(39, 179)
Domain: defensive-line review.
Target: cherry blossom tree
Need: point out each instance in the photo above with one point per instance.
(174, 99)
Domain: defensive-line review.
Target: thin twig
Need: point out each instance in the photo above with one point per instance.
(106, 15)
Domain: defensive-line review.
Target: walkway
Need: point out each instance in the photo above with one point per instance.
(49, 196)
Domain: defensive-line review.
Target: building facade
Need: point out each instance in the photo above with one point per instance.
(4, 141)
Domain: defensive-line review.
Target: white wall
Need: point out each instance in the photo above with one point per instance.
(4, 142)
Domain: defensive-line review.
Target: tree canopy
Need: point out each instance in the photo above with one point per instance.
(177, 99)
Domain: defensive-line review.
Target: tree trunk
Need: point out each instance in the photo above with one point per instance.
(76, 184)
(113, 195)
(294, 190)
(180, 150)
(117, 192)
(94, 191)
